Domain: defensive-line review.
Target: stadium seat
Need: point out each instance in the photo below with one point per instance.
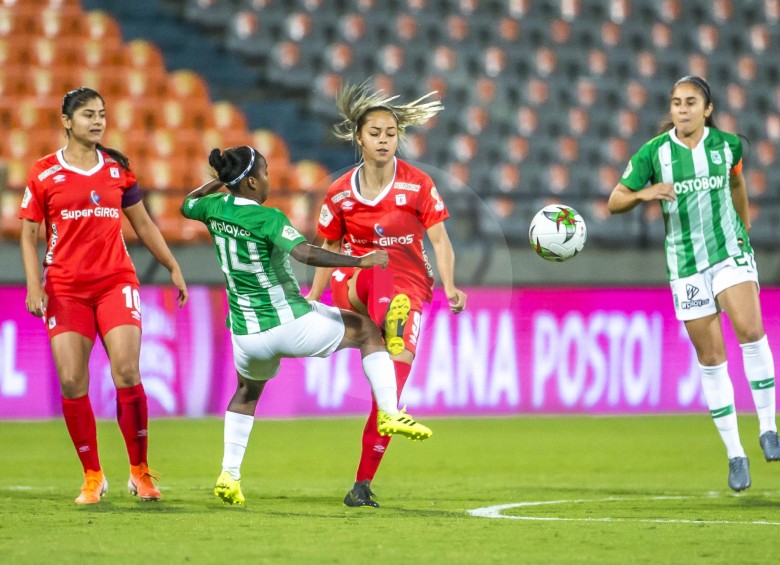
(175, 228)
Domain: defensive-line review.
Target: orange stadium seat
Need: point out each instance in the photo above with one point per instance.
(142, 54)
(271, 145)
(187, 85)
(100, 25)
(310, 176)
(13, 82)
(34, 113)
(128, 114)
(10, 203)
(228, 116)
(60, 22)
(95, 53)
(175, 113)
(164, 208)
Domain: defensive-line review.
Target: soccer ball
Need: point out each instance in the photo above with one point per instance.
(557, 233)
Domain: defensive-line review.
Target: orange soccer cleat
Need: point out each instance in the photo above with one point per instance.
(140, 483)
(94, 487)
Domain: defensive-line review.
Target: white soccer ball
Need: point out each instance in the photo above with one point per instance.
(557, 233)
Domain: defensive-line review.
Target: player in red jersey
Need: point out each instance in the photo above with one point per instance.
(384, 203)
(89, 286)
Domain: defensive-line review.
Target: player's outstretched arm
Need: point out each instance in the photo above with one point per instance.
(319, 257)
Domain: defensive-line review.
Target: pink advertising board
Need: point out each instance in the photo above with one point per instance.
(522, 351)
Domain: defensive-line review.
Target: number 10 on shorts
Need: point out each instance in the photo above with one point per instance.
(132, 298)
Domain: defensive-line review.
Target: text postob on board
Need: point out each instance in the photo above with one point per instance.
(524, 351)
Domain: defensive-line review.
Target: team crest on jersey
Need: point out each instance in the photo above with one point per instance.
(59, 178)
(114, 172)
(326, 216)
(27, 197)
(715, 157)
(50, 171)
(400, 199)
(628, 170)
(290, 233)
(52, 322)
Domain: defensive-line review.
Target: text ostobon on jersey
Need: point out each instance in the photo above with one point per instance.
(99, 212)
(698, 184)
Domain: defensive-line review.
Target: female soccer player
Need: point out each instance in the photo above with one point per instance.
(89, 285)
(695, 172)
(269, 319)
(384, 203)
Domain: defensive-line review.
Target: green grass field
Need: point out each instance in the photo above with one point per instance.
(596, 490)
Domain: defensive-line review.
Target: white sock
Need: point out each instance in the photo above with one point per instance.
(380, 372)
(760, 372)
(719, 393)
(237, 430)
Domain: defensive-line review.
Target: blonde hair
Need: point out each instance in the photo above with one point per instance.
(355, 101)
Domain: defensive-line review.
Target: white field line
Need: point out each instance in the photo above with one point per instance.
(496, 512)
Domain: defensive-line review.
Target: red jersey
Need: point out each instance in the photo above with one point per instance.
(395, 221)
(83, 220)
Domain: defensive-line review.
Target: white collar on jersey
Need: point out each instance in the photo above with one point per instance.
(673, 135)
(359, 197)
(241, 201)
(89, 173)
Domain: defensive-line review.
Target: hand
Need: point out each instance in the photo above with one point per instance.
(374, 259)
(177, 278)
(457, 300)
(37, 300)
(660, 191)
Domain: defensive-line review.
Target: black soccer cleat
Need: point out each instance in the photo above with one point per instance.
(360, 496)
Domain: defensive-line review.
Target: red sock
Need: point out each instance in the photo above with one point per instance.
(80, 421)
(133, 417)
(375, 445)
(374, 288)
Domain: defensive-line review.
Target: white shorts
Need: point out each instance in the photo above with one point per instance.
(695, 296)
(316, 334)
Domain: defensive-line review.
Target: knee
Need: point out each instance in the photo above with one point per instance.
(126, 374)
(751, 336)
(73, 385)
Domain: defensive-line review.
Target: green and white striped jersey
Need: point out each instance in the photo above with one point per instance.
(253, 243)
(702, 226)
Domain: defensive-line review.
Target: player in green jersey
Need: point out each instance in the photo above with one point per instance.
(695, 171)
(268, 318)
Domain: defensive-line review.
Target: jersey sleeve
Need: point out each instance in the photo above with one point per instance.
(32, 201)
(331, 222)
(132, 193)
(283, 235)
(195, 208)
(638, 171)
(736, 150)
(431, 209)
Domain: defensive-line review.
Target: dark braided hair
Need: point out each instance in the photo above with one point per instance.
(78, 97)
(235, 164)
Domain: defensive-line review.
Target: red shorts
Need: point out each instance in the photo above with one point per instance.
(92, 312)
(340, 294)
